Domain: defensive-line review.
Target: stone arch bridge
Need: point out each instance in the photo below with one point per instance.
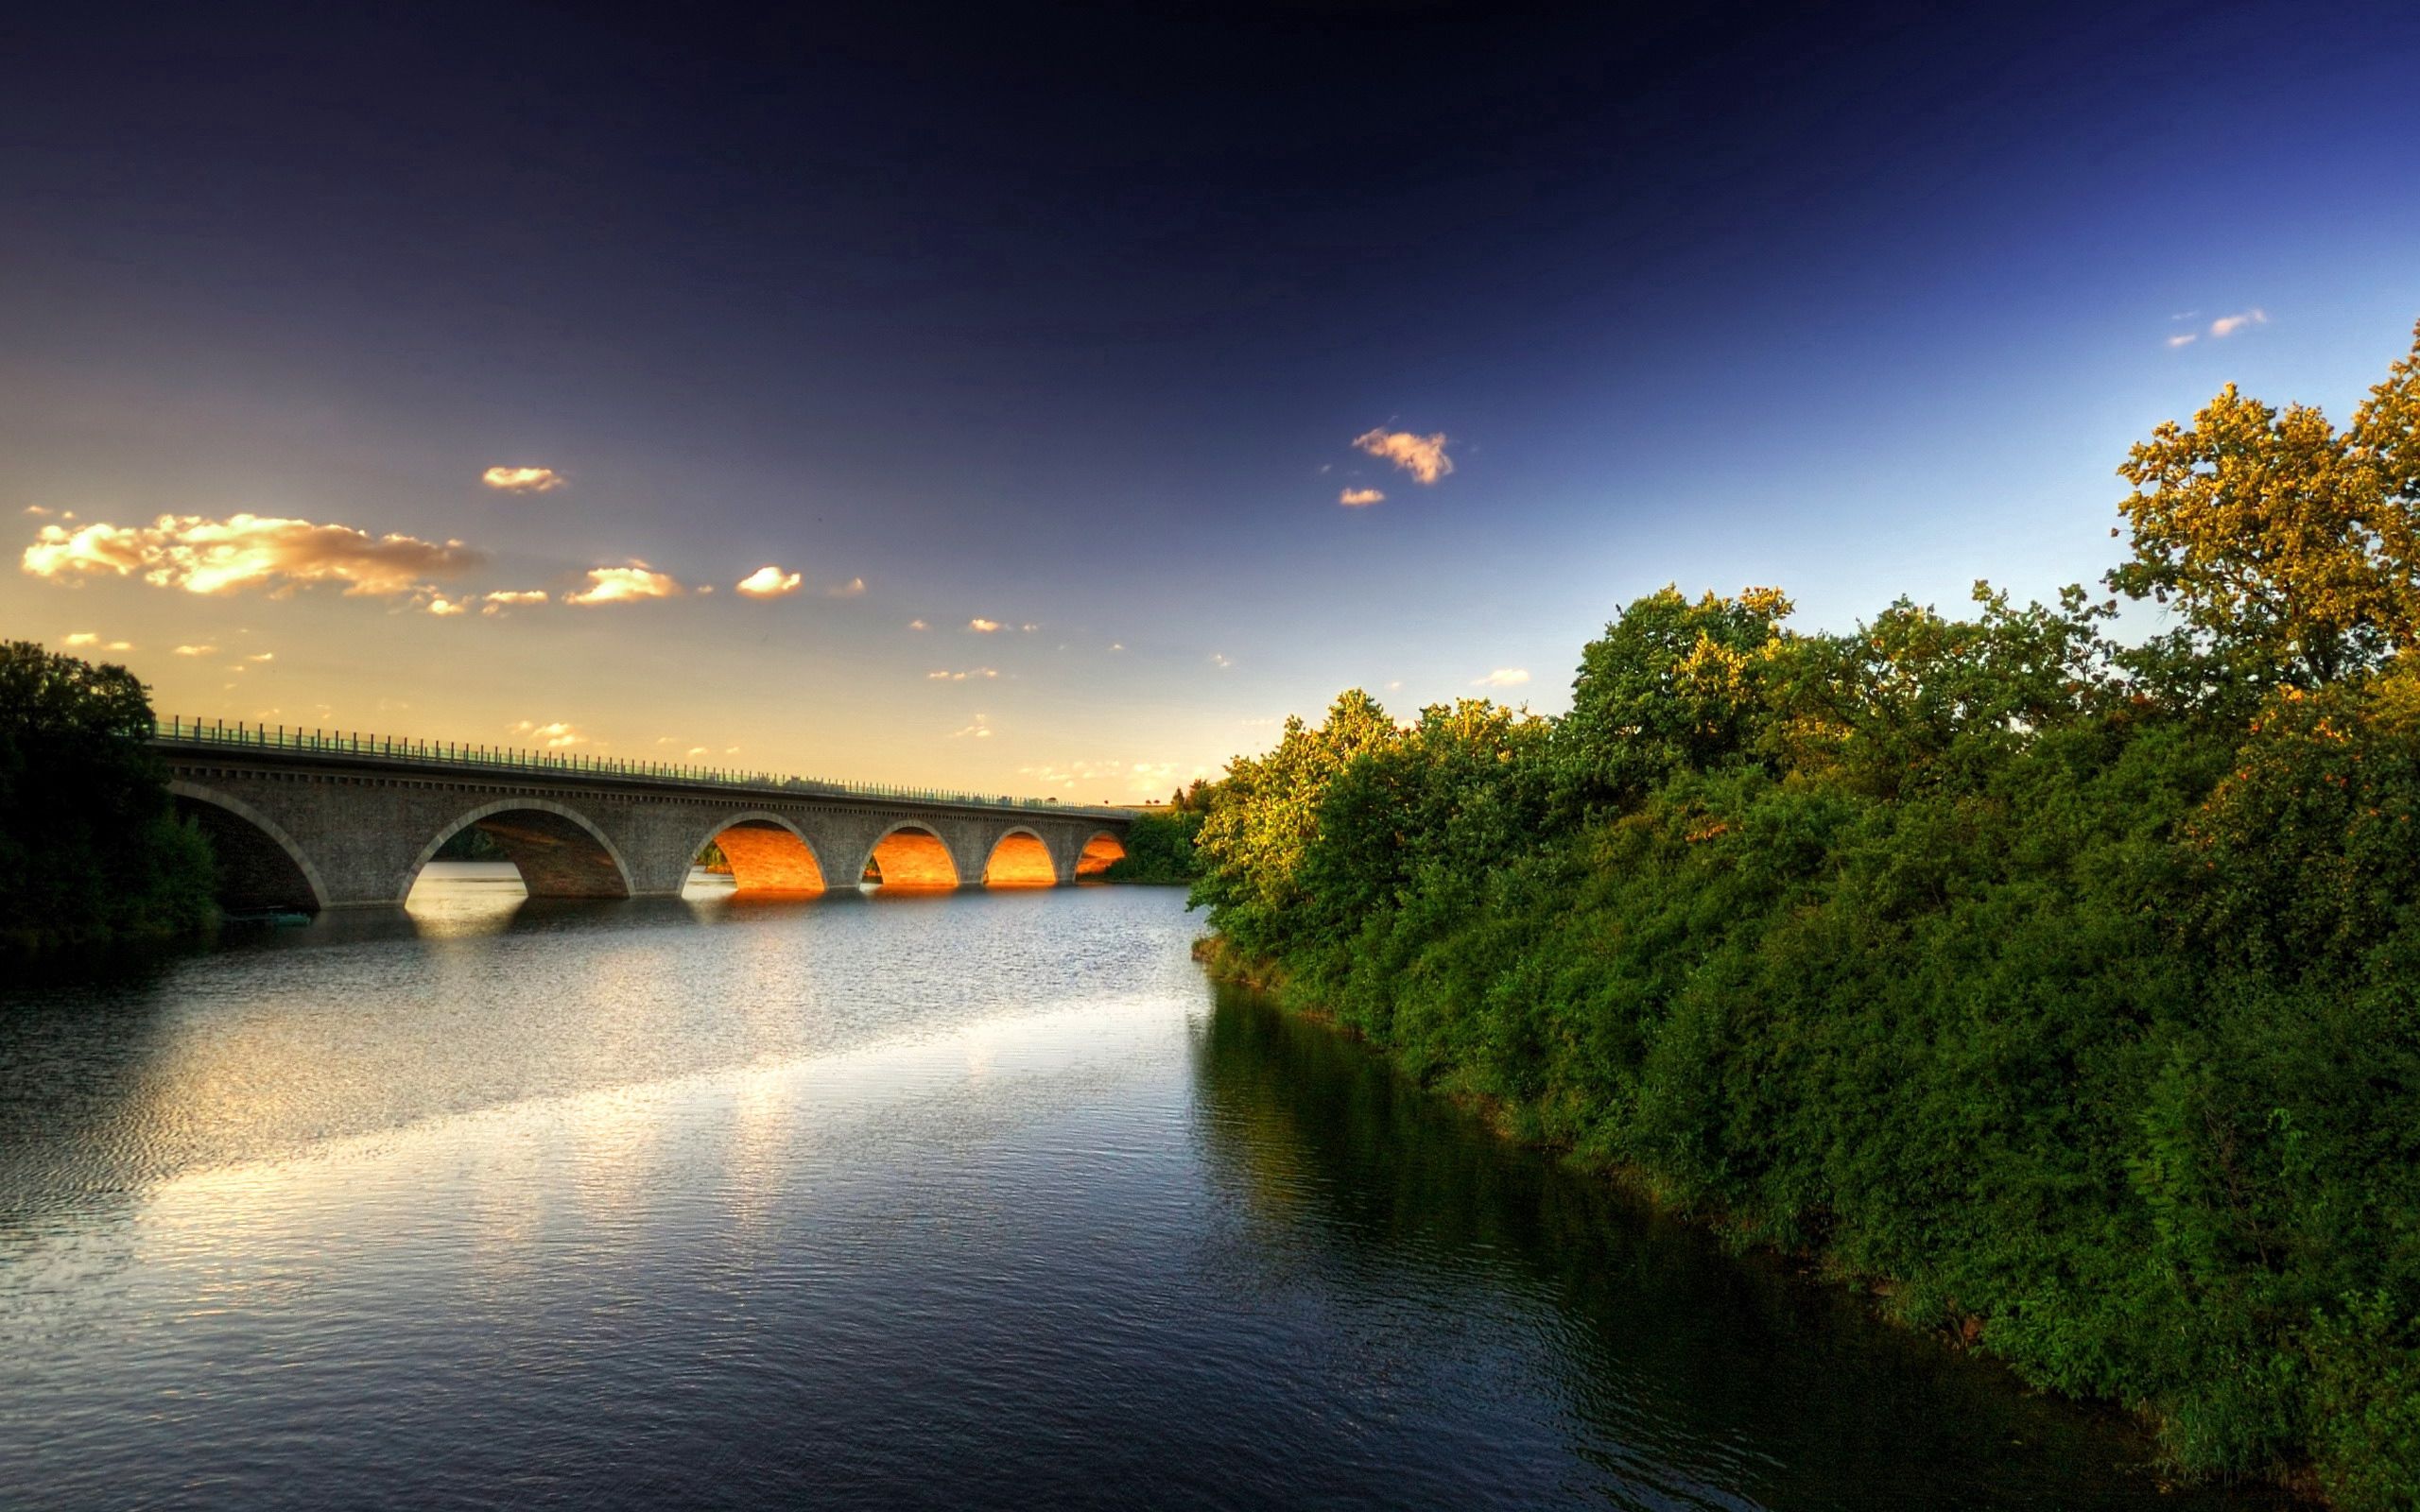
(306, 821)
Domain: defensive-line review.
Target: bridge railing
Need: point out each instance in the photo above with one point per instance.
(560, 763)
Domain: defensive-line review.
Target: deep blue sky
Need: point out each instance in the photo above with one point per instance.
(1070, 318)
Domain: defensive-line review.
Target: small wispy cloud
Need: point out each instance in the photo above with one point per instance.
(918, 625)
(195, 650)
(980, 729)
(767, 582)
(507, 598)
(854, 588)
(523, 479)
(2183, 338)
(1219, 659)
(625, 585)
(983, 627)
(975, 674)
(1503, 678)
(262, 656)
(1422, 457)
(442, 607)
(1360, 498)
(2227, 325)
(83, 638)
(553, 736)
(38, 511)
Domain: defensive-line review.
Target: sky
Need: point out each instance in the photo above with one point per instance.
(1049, 400)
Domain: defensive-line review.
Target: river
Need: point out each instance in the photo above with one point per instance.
(977, 1200)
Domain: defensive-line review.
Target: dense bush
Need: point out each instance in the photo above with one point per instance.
(2069, 991)
(90, 845)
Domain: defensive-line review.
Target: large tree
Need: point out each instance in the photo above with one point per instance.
(2286, 546)
(89, 844)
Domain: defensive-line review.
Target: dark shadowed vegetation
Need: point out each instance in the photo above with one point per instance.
(1160, 843)
(2063, 987)
(91, 849)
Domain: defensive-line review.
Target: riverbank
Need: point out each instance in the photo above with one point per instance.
(1883, 1295)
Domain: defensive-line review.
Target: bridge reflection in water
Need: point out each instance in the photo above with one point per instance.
(309, 821)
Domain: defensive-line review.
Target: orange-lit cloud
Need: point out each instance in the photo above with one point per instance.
(1422, 457)
(194, 651)
(555, 736)
(523, 479)
(981, 729)
(83, 638)
(979, 674)
(982, 626)
(918, 625)
(246, 551)
(1504, 678)
(442, 607)
(625, 585)
(851, 588)
(1356, 498)
(767, 582)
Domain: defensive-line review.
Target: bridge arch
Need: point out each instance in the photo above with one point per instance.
(260, 867)
(912, 855)
(1102, 851)
(1020, 858)
(559, 851)
(767, 853)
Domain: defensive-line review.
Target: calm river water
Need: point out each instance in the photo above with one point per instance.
(966, 1201)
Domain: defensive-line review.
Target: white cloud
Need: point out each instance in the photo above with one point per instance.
(851, 588)
(83, 638)
(1359, 498)
(246, 551)
(918, 625)
(262, 656)
(1503, 678)
(38, 511)
(195, 650)
(1118, 646)
(982, 626)
(981, 729)
(523, 479)
(978, 673)
(625, 585)
(2183, 339)
(1422, 457)
(2227, 325)
(554, 736)
(506, 598)
(767, 582)
(1219, 659)
(442, 607)
(1029, 628)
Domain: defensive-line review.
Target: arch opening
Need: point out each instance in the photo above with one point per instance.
(1021, 860)
(1100, 852)
(911, 859)
(557, 852)
(260, 870)
(765, 856)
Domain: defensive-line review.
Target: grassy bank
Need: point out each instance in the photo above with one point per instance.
(2067, 990)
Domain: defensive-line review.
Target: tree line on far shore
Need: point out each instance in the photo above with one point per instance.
(2067, 990)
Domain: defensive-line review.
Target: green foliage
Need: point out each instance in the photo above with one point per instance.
(90, 845)
(2072, 989)
(1159, 846)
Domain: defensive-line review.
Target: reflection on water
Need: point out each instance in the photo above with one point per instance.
(973, 1201)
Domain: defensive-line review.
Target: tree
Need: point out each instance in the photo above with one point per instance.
(89, 844)
(2286, 546)
(1669, 685)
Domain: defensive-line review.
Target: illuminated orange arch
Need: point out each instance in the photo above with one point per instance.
(767, 854)
(911, 856)
(1021, 860)
(1100, 852)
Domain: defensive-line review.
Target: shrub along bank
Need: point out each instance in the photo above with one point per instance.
(2067, 990)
